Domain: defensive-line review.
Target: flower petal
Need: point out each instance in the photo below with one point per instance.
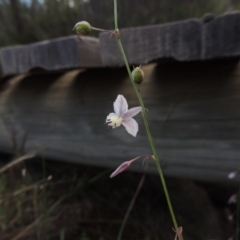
(132, 112)
(131, 126)
(120, 105)
(110, 115)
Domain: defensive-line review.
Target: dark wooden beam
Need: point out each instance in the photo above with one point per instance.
(52, 55)
(190, 40)
(193, 112)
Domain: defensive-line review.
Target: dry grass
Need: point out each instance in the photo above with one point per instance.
(82, 203)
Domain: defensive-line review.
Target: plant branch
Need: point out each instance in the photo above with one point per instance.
(144, 114)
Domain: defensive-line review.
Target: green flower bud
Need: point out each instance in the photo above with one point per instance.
(138, 75)
(82, 28)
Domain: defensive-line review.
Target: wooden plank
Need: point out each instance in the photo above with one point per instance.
(52, 55)
(189, 40)
(221, 37)
(193, 112)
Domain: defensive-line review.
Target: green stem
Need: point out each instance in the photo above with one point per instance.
(115, 15)
(145, 121)
(101, 30)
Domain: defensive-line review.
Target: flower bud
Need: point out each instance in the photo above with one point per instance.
(125, 165)
(232, 175)
(138, 75)
(82, 28)
(121, 168)
(232, 199)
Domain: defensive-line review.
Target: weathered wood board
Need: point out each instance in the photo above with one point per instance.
(193, 112)
(189, 40)
(52, 55)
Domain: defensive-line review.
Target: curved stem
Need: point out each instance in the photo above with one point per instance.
(145, 121)
(101, 30)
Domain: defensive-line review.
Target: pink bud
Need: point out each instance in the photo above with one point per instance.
(232, 199)
(232, 175)
(126, 165)
(121, 168)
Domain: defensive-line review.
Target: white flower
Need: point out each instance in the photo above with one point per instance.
(123, 116)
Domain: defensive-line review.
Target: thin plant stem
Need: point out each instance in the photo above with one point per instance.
(131, 206)
(62, 234)
(28, 229)
(16, 161)
(144, 114)
(101, 30)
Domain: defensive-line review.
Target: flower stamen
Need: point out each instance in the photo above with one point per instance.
(114, 121)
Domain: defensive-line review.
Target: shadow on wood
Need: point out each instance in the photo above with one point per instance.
(193, 112)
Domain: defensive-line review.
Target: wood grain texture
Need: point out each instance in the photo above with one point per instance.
(52, 55)
(193, 112)
(189, 40)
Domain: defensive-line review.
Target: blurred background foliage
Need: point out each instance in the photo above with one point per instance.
(26, 21)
